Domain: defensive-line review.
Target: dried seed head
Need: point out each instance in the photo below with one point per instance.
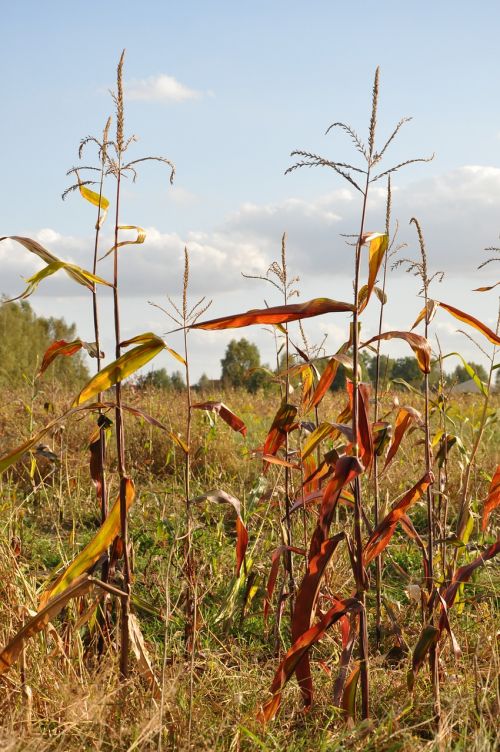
(373, 119)
(119, 104)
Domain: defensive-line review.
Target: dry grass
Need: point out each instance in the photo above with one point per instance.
(77, 701)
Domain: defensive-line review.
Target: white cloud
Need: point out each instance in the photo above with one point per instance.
(160, 88)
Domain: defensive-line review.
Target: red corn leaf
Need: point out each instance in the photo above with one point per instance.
(365, 440)
(221, 497)
(304, 608)
(418, 344)
(464, 573)
(428, 637)
(405, 417)
(281, 425)
(492, 500)
(273, 574)
(468, 319)
(277, 314)
(225, 413)
(383, 533)
(346, 469)
(300, 649)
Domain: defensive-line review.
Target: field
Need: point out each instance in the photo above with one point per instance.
(78, 702)
(305, 564)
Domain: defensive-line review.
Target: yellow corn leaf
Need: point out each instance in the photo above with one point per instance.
(11, 652)
(141, 237)
(82, 276)
(119, 369)
(147, 337)
(93, 550)
(96, 200)
(378, 247)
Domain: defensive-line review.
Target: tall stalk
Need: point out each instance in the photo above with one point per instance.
(351, 174)
(376, 500)
(422, 270)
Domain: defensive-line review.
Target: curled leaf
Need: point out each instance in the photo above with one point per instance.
(378, 248)
(82, 276)
(281, 425)
(225, 413)
(61, 347)
(141, 237)
(221, 497)
(418, 344)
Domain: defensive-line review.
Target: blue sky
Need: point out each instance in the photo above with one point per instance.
(227, 90)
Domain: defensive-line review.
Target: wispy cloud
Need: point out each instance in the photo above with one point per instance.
(160, 88)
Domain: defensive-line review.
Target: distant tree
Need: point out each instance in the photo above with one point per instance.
(385, 369)
(157, 378)
(460, 374)
(24, 338)
(407, 369)
(240, 357)
(204, 383)
(177, 381)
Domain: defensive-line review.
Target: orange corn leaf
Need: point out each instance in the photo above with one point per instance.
(468, 319)
(486, 289)
(277, 314)
(418, 344)
(272, 460)
(428, 637)
(328, 376)
(93, 551)
(37, 623)
(378, 248)
(299, 649)
(383, 533)
(221, 497)
(404, 419)
(225, 413)
(61, 347)
(281, 425)
(428, 312)
(492, 500)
